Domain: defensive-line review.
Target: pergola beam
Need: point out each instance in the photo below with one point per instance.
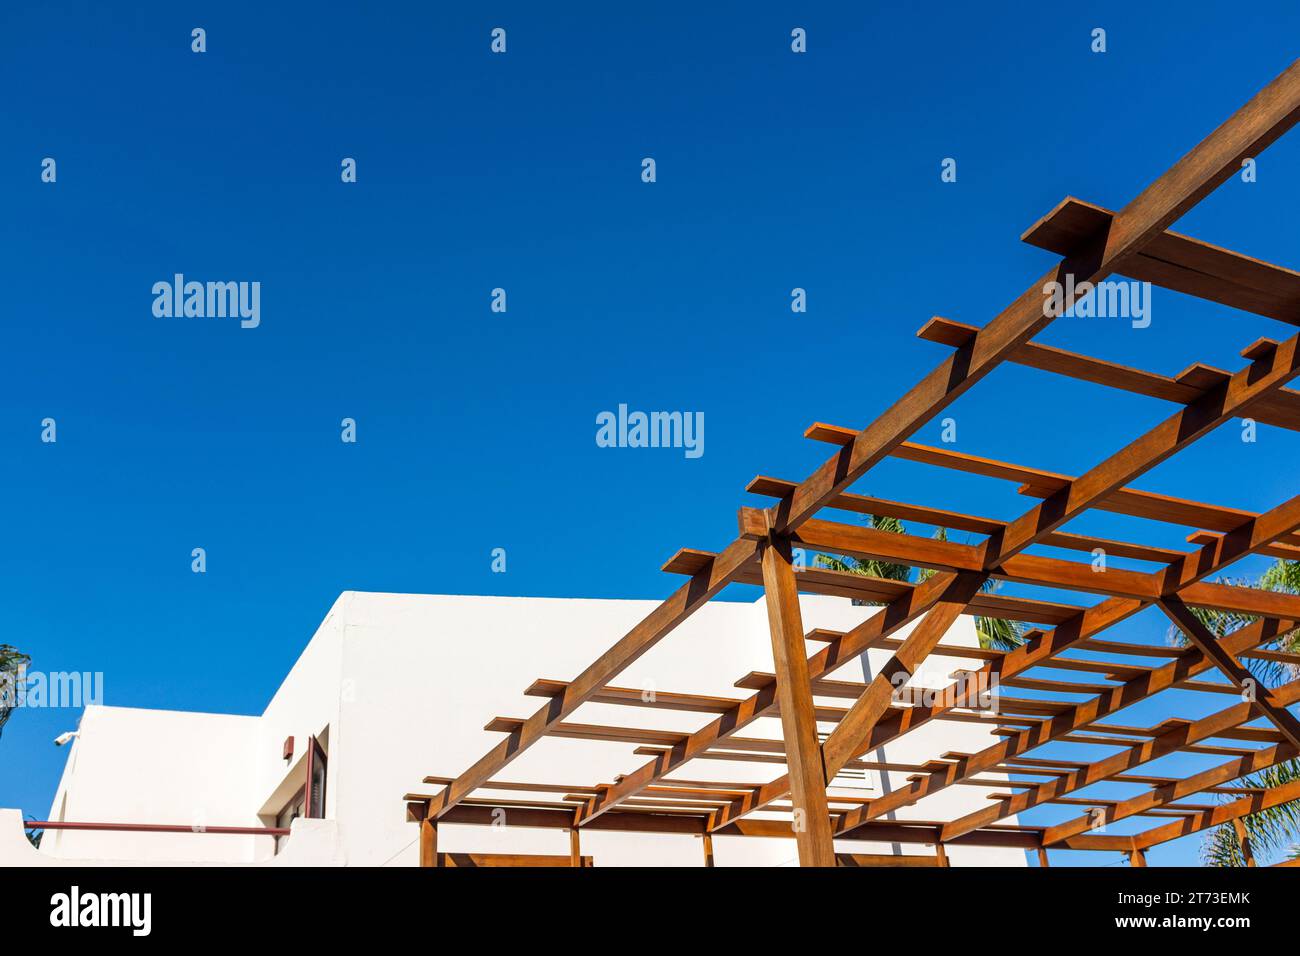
(1260, 695)
(812, 824)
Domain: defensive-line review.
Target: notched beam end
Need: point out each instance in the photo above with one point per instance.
(545, 688)
(1070, 226)
(1260, 349)
(689, 561)
(832, 434)
(947, 332)
(753, 523)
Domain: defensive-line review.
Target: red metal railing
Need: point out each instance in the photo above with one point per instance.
(155, 828)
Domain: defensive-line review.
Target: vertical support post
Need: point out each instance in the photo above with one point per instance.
(708, 849)
(428, 842)
(575, 848)
(941, 854)
(1137, 857)
(1243, 838)
(1042, 857)
(803, 752)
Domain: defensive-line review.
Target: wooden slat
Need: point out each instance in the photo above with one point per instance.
(872, 543)
(1282, 409)
(1180, 263)
(638, 697)
(1265, 701)
(863, 504)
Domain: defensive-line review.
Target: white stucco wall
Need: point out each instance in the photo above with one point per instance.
(402, 686)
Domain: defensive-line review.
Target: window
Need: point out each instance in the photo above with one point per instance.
(291, 811)
(316, 763)
(309, 801)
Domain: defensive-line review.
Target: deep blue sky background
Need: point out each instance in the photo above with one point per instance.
(476, 430)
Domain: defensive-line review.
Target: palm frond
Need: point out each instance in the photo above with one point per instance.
(999, 634)
(12, 661)
(1270, 831)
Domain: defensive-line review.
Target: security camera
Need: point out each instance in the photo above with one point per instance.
(65, 737)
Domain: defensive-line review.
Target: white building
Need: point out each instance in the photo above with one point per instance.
(394, 687)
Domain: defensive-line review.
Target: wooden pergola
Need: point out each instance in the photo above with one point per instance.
(1255, 730)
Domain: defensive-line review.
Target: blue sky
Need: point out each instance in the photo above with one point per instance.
(522, 171)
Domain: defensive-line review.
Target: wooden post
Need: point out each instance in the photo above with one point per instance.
(941, 854)
(1042, 857)
(812, 823)
(428, 842)
(1244, 839)
(708, 849)
(1137, 857)
(575, 848)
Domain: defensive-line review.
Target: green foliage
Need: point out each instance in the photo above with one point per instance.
(1275, 829)
(11, 663)
(1270, 831)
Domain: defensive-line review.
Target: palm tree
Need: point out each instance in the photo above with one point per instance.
(1271, 830)
(12, 661)
(994, 632)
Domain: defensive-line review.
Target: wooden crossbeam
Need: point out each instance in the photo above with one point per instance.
(1282, 409)
(1180, 263)
(864, 504)
(1262, 697)
(874, 544)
